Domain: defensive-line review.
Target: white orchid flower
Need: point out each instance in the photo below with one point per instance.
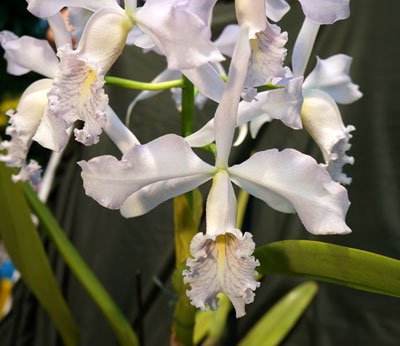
(288, 181)
(71, 91)
(163, 23)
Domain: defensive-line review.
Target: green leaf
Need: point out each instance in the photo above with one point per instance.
(332, 263)
(25, 248)
(212, 324)
(186, 223)
(89, 281)
(271, 329)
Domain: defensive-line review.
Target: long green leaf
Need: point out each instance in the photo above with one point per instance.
(271, 329)
(26, 250)
(332, 263)
(117, 321)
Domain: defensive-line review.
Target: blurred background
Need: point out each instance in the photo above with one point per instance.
(117, 249)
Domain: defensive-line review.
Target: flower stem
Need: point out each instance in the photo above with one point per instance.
(132, 84)
(89, 281)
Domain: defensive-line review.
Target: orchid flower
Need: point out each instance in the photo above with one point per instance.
(163, 23)
(288, 181)
(71, 91)
(327, 84)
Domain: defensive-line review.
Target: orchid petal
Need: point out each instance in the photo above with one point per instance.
(26, 54)
(222, 263)
(60, 32)
(23, 126)
(226, 113)
(268, 54)
(207, 81)
(222, 258)
(226, 41)
(203, 9)
(303, 46)
(332, 76)
(251, 16)
(276, 9)
(243, 130)
(122, 137)
(77, 91)
(31, 172)
(288, 181)
(322, 120)
(151, 196)
(325, 11)
(139, 38)
(257, 123)
(283, 104)
(166, 22)
(203, 136)
(110, 182)
(46, 8)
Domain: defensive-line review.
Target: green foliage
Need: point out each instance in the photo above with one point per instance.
(332, 263)
(26, 251)
(271, 329)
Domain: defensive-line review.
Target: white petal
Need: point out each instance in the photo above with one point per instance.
(257, 123)
(303, 46)
(122, 137)
(332, 76)
(276, 9)
(28, 54)
(243, 130)
(77, 94)
(31, 172)
(110, 182)
(252, 16)
(139, 38)
(203, 9)
(207, 81)
(167, 24)
(322, 120)
(222, 263)
(268, 54)
(51, 132)
(151, 196)
(104, 38)
(226, 41)
(326, 11)
(289, 180)
(46, 8)
(282, 104)
(203, 136)
(226, 113)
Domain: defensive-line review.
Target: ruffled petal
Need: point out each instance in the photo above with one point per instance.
(322, 120)
(276, 9)
(222, 263)
(288, 181)
(77, 92)
(110, 181)
(46, 8)
(28, 54)
(226, 41)
(268, 54)
(31, 172)
(23, 126)
(166, 22)
(332, 76)
(151, 196)
(326, 11)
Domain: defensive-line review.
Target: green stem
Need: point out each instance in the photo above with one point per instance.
(119, 324)
(132, 84)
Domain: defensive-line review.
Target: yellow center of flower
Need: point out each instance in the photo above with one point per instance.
(221, 253)
(91, 77)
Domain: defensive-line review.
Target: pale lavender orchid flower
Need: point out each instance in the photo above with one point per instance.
(288, 181)
(45, 111)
